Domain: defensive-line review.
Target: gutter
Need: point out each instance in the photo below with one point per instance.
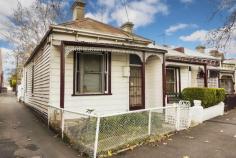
(108, 36)
(115, 46)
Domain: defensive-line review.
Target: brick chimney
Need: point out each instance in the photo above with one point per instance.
(78, 9)
(180, 49)
(200, 49)
(217, 54)
(128, 27)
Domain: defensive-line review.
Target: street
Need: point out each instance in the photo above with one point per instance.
(23, 135)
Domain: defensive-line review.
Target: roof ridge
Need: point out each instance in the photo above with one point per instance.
(110, 26)
(71, 22)
(126, 33)
(106, 27)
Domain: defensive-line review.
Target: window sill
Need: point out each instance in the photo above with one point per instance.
(76, 95)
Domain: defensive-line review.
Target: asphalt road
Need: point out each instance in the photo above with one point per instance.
(22, 135)
(213, 139)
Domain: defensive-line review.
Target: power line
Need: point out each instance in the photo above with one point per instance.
(125, 5)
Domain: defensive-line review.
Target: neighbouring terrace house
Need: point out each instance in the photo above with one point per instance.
(227, 75)
(187, 68)
(86, 65)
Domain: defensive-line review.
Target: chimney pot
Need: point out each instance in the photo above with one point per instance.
(128, 27)
(78, 9)
(201, 49)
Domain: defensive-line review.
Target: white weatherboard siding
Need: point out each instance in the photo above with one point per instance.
(153, 83)
(184, 77)
(39, 99)
(55, 77)
(194, 72)
(103, 104)
(117, 102)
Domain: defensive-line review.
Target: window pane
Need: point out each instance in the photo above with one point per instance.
(170, 88)
(92, 83)
(92, 63)
(213, 74)
(170, 75)
(78, 61)
(91, 75)
(171, 80)
(134, 59)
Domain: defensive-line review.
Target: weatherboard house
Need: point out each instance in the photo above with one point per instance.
(85, 64)
(195, 68)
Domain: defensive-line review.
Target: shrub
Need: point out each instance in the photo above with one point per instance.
(208, 96)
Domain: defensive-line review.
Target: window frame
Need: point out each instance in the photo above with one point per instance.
(105, 74)
(213, 74)
(176, 82)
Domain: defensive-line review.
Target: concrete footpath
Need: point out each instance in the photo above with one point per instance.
(213, 139)
(22, 135)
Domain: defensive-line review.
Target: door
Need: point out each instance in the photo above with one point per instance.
(136, 88)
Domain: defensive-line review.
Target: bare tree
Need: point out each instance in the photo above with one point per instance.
(220, 38)
(26, 26)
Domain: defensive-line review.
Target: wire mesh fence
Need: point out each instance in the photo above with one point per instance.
(80, 131)
(97, 134)
(117, 129)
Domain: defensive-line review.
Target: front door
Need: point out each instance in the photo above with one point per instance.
(135, 88)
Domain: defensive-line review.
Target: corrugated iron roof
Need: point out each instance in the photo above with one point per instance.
(89, 24)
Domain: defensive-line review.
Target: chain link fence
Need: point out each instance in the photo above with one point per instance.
(80, 131)
(97, 134)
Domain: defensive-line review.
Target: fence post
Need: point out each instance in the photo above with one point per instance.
(149, 122)
(96, 137)
(62, 123)
(177, 117)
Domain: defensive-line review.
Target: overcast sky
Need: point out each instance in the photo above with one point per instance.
(172, 22)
